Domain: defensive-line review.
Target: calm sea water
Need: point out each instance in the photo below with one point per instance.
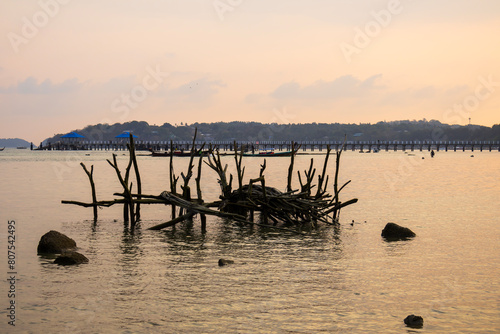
(328, 280)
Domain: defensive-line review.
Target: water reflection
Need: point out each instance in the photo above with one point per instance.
(131, 250)
(185, 231)
(277, 275)
(131, 239)
(397, 247)
(334, 279)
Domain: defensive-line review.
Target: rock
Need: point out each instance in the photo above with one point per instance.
(393, 231)
(54, 242)
(70, 258)
(224, 262)
(414, 321)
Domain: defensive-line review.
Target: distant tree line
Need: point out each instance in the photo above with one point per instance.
(254, 131)
(14, 142)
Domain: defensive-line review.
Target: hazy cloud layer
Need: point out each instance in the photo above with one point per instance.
(88, 62)
(346, 86)
(31, 86)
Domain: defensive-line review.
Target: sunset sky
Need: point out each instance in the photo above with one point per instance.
(68, 64)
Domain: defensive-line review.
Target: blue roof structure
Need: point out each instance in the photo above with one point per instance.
(72, 135)
(125, 135)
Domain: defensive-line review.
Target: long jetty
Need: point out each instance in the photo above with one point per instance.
(318, 146)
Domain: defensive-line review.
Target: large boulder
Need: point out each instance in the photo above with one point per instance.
(394, 231)
(414, 321)
(54, 242)
(70, 258)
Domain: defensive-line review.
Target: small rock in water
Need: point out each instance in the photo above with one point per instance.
(394, 231)
(54, 242)
(71, 258)
(224, 262)
(414, 321)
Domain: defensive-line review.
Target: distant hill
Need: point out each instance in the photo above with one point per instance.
(254, 131)
(14, 142)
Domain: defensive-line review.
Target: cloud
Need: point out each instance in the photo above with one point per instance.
(194, 91)
(343, 87)
(427, 92)
(31, 86)
(425, 98)
(117, 85)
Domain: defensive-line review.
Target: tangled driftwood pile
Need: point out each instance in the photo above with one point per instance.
(309, 204)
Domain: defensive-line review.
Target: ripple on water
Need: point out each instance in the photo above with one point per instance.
(344, 280)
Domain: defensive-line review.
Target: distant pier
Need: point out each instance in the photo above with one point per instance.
(311, 146)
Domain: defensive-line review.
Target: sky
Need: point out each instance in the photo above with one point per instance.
(66, 64)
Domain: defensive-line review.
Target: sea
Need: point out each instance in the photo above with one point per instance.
(328, 279)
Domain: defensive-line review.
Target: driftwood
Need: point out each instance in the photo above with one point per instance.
(277, 209)
(92, 186)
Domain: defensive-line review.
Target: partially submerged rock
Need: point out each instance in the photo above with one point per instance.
(414, 321)
(394, 231)
(225, 262)
(71, 258)
(54, 242)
